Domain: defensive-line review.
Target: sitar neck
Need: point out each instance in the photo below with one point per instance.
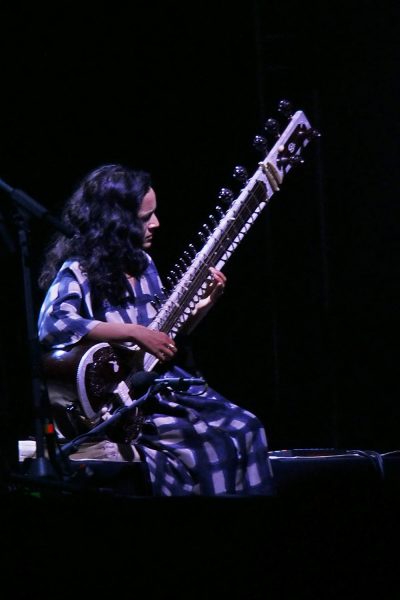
(231, 229)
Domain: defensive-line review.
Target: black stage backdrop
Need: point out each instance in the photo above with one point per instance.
(305, 333)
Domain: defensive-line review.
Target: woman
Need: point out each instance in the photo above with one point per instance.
(101, 286)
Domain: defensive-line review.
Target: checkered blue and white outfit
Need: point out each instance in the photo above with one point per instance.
(202, 445)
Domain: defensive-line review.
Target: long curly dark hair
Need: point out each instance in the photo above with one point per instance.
(108, 234)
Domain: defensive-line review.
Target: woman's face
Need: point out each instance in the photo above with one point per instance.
(147, 214)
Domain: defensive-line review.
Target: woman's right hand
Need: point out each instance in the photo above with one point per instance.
(158, 343)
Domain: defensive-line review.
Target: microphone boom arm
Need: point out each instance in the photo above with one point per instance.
(174, 383)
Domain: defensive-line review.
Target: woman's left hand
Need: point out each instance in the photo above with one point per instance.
(214, 289)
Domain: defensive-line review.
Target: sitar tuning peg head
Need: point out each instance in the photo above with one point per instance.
(183, 262)
(225, 195)
(313, 133)
(307, 133)
(240, 173)
(271, 128)
(285, 108)
(260, 143)
(283, 161)
(207, 230)
(156, 302)
(188, 256)
(171, 281)
(202, 237)
(213, 221)
(178, 270)
(220, 212)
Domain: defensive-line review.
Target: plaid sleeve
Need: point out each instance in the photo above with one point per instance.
(65, 317)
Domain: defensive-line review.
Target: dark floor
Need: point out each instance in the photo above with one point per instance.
(331, 532)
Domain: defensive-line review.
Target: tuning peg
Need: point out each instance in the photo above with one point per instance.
(183, 263)
(202, 237)
(289, 160)
(240, 174)
(271, 127)
(171, 280)
(285, 108)
(304, 133)
(260, 143)
(188, 257)
(156, 302)
(206, 229)
(213, 221)
(313, 133)
(220, 212)
(226, 195)
(178, 270)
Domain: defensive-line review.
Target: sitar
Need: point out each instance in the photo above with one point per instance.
(102, 375)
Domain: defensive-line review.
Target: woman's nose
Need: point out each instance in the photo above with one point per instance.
(154, 222)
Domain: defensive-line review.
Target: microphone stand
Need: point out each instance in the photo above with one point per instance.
(42, 466)
(102, 427)
(120, 413)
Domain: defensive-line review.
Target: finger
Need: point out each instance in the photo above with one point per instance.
(222, 280)
(217, 291)
(167, 352)
(272, 174)
(170, 350)
(218, 276)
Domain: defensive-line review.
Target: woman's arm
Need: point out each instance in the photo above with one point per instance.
(157, 343)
